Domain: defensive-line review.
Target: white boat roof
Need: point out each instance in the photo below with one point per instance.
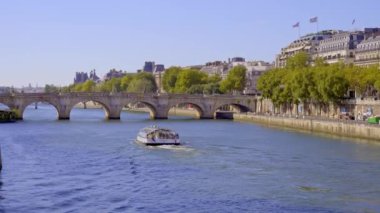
(155, 128)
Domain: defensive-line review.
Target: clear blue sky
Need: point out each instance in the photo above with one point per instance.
(45, 41)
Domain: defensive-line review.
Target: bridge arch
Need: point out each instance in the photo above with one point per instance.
(151, 107)
(103, 104)
(4, 106)
(199, 111)
(21, 108)
(236, 107)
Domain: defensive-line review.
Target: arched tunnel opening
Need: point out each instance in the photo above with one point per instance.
(136, 110)
(185, 111)
(39, 111)
(89, 110)
(227, 111)
(4, 107)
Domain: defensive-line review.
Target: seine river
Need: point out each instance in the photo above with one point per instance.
(89, 164)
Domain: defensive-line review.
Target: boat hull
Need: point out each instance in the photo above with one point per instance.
(159, 142)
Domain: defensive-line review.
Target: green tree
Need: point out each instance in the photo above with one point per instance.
(169, 79)
(142, 83)
(214, 79)
(111, 85)
(125, 81)
(51, 88)
(331, 83)
(195, 89)
(235, 80)
(299, 60)
(187, 78)
(211, 88)
(88, 86)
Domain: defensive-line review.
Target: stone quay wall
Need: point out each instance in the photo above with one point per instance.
(351, 129)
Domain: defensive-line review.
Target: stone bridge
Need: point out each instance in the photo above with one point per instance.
(113, 103)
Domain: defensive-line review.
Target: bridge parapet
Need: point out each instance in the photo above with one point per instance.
(113, 103)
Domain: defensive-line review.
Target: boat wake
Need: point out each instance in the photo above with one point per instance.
(181, 148)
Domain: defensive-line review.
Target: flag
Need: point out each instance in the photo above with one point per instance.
(296, 25)
(353, 22)
(314, 19)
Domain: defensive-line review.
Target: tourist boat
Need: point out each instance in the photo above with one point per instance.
(154, 136)
(7, 116)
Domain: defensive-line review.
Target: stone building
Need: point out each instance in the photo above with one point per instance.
(94, 77)
(254, 70)
(308, 44)
(216, 68)
(149, 66)
(113, 73)
(368, 51)
(158, 73)
(5, 90)
(159, 68)
(340, 47)
(80, 77)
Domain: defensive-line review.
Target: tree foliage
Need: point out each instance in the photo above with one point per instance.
(235, 80)
(49, 88)
(188, 78)
(191, 81)
(142, 83)
(170, 78)
(322, 83)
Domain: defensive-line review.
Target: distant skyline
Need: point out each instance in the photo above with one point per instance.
(46, 42)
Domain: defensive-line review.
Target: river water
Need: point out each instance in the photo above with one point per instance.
(89, 164)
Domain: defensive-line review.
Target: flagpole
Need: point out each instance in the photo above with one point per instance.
(299, 32)
(317, 26)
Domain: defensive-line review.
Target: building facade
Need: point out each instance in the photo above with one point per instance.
(158, 73)
(340, 47)
(80, 77)
(113, 73)
(216, 68)
(149, 66)
(254, 70)
(159, 68)
(93, 77)
(308, 44)
(5, 89)
(368, 51)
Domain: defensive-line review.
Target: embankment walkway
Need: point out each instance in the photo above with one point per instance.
(345, 128)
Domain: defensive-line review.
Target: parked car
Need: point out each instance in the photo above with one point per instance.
(373, 120)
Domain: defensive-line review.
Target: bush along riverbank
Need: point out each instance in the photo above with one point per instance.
(341, 128)
(7, 116)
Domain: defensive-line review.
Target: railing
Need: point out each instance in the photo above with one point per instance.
(315, 118)
(122, 94)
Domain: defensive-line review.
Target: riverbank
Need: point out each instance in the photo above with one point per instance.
(332, 127)
(314, 125)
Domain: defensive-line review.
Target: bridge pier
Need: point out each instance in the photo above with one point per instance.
(114, 112)
(63, 114)
(160, 114)
(208, 113)
(63, 117)
(19, 113)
